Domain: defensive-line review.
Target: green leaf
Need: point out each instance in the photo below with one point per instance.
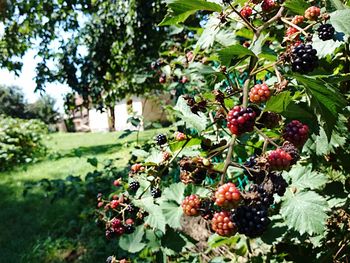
(198, 122)
(180, 10)
(174, 192)
(174, 240)
(332, 5)
(325, 48)
(93, 161)
(326, 101)
(235, 51)
(175, 146)
(155, 218)
(215, 240)
(305, 212)
(304, 178)
(296, 6)
(279, 102)
(172, 213)
(296, 111)
(340, 20)
(132, 242)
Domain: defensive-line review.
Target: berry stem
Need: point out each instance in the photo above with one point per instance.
(264, 68)
(245, 92)
(266, 137)
(228, 159)
(214, 125)
(294, 25)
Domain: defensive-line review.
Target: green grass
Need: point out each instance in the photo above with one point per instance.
(29, 225)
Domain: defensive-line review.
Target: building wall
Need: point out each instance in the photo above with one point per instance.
(98, 121)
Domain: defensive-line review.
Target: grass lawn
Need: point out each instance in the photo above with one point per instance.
(26, 223)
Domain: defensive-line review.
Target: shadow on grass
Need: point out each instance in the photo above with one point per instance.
(25, 220)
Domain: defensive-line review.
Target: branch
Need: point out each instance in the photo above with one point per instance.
(269, 22)
(294, 25)
(266, 137)
(228, 159)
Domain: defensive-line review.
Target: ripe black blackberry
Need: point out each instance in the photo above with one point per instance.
(207, 209)
(270, 119)
(326, 32)
(161, 139)
(156, 192)
(259, 195)
(109, 233)
(278, 182)
(129, 229)
(134, 186)
(304, 59)
(251, 220)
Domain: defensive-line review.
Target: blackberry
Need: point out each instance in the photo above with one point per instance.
(278, 182)
(191, 204)
(207, 209)
(109, 233)
(251, 220)
(259, 195)
(222, 224)
(129, 229)
(227, 195)
(304, 59)
(279, 159)
(259, 93)
(326, 32)
(241, 120)
(156, 192)
(131, 208)
(134, 186)
(270, 119)
(246, 11)
(312, 13)
(293, 151)
(161, 139)
(296, 132)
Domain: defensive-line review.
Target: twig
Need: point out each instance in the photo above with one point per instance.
(228, 159)
(245, 92)
(294, 25)
(266, 137)
(269, 22)
(214, 125)
(264, 68)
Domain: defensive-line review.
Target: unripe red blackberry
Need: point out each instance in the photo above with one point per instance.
(291, 31)
(179, 136)
(137, 167)
(312, 13)
(191, 205)
(298, 20)
(114, 204)
(246, 11)
(227, 196)
(279, 159)
(293, 151)
(268, 5)
(241, 120)
(259, 93)
(296, 133)
(222, 224)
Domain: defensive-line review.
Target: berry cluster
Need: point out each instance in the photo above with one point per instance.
(304, 59)
(241, 120)
(296, 133)
(259, 93)
(222, 224)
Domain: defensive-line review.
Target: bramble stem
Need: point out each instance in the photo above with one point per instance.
(266, 137)
(228, 159)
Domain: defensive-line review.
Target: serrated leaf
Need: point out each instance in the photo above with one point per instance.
(235, 51)
(326, 101)
(296, 111)
(279, 102)
(305, 212)
(296, 6)
(198, 122)
(180, 10)
(132, 242)
(175, 146)
(215, 240)
(155, 218)
(172, 213)
(303, 177)
(325, 48)
(340, 20)
(155, 157)
(174, 192)
(332, 5)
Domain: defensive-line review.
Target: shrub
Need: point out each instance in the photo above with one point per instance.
(20, 141)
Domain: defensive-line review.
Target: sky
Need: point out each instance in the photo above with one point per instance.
(26, 81)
